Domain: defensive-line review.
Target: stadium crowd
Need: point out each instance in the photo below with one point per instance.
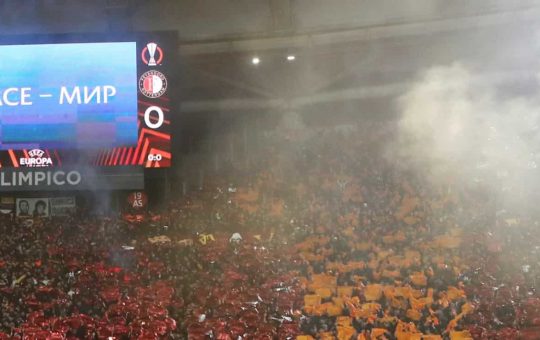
(319, 237)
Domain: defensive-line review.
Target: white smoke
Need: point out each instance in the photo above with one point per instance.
(455, 125)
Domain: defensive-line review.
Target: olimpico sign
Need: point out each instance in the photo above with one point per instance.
(70, 179)
(40, 178)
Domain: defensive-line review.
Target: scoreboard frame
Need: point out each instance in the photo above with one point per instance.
(156, 101)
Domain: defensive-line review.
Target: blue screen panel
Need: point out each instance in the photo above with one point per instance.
(76, 96)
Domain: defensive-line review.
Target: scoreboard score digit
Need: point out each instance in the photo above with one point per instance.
(156, 129)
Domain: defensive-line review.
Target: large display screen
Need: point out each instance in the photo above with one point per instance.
(68, 96)
(86, 100)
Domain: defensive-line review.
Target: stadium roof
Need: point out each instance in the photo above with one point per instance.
(352, 52)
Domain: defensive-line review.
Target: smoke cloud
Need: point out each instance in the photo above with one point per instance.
(455, 126)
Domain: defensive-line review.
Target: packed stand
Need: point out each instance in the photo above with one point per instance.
(318, 237)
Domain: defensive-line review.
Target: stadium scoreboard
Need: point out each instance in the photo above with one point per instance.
(87, 100)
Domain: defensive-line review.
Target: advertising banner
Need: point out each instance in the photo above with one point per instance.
(62, 206)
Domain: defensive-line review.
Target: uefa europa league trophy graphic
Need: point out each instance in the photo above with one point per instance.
(152, 51)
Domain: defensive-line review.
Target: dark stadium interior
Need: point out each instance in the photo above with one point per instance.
(345, 169)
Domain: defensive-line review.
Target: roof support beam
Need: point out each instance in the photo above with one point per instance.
(419, 28)
(386, 91)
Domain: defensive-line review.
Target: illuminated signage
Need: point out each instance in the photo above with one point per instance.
(36, 158)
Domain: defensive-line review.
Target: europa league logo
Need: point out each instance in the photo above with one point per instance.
(152, 49)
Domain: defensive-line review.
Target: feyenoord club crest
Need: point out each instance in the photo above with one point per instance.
(150, 52)
(153, 84)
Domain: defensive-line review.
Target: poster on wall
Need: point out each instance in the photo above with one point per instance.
(137, 200)
(62, 206)
(32, 207)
